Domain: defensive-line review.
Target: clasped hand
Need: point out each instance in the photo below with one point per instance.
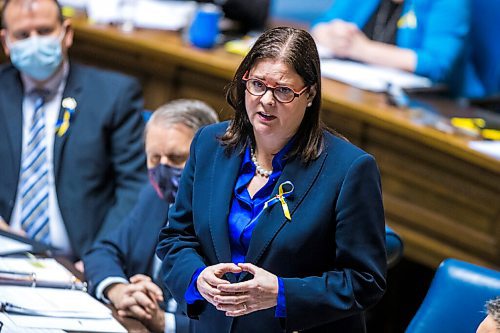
(237, 299)
(139, 299)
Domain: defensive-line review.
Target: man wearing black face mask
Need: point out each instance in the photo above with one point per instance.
(165, 180)
(121, 268)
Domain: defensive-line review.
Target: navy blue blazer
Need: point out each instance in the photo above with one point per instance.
(331, 255)
(129, 249)
(99, 164)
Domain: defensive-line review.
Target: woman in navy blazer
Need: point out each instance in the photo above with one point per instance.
(278, 224)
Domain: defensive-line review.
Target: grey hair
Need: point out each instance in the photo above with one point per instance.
(493, 307)
(190, 112)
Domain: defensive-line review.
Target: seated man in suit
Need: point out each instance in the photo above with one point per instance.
(121, 267)
(70, 135)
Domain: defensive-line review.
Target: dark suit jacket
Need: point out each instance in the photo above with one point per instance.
(331, 255)
(130, 249)
(99, 164)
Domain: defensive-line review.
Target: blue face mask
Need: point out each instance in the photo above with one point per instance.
(165, 180)
(37, 57)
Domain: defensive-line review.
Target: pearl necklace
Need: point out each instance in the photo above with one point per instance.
(260, 170)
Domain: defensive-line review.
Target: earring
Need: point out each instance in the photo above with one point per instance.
(309, 104)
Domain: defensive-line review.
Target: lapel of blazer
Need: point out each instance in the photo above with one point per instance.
(12, 110)
(273, 219)
(73, 89)
(223, 179)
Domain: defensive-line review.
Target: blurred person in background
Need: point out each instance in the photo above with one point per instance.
(122, 268)
(425, 37)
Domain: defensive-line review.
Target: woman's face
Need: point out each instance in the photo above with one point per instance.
(273, 120)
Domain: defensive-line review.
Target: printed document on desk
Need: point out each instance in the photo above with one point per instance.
(149, 14)
(44, 272)
(163, 15)
(9, 326)
(491, 148)
(10, 246)
(370, 77)
(79, 309)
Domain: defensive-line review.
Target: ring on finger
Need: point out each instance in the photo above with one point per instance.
(244, 306)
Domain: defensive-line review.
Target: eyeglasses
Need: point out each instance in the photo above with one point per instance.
(282, 94)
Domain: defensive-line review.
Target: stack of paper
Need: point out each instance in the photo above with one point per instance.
(56, 308)
(10, 246)
(370, 77)
(491, 148)
(45, 272)
(9, 326)
(150, 14)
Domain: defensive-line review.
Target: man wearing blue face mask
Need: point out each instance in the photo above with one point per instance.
(70, 135)
(121, 268)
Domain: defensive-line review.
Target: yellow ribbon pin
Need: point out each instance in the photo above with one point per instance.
(69, 104)
(281, 198)
(408, 20)
(284, 205)
(64, 125)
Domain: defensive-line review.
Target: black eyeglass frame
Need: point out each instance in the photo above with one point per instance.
(296, 94)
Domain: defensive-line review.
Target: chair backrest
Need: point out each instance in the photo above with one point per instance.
(455, 301)
(301, 11)
(484, 53)
(394, 247)
(146, 114)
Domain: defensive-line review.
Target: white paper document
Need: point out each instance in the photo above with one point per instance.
(9, 245)
(491, 148)
(149, 14)
(370, 77)
(45, 269)
(103, 11)
(163, 15)
(78, 309)
(10, 327)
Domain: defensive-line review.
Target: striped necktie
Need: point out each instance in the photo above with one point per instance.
(34, 177)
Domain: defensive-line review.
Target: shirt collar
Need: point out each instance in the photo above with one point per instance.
(52, 86)
(279, 160)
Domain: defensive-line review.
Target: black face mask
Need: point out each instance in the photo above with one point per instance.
(165, 180)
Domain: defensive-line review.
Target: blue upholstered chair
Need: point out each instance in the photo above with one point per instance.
(482, 68)
(394, 246)
(146, 114)
(456, 298)
(485, 45)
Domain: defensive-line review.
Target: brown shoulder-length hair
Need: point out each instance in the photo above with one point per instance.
(296, 48)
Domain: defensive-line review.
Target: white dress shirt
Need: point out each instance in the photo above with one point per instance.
(58, 233)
